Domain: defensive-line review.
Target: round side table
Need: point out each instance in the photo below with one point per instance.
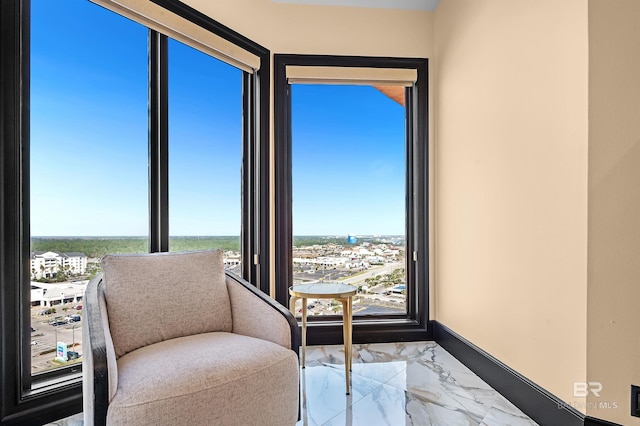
(342, 292)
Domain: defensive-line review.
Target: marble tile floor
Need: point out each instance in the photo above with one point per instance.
(414, 383)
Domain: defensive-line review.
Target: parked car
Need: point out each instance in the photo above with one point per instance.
(72, 355)
(73, 318)
(33, 343)
(58, 322)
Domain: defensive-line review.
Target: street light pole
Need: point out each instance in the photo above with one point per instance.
(56, 343)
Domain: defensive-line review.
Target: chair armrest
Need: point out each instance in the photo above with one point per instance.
(257, 315)
(97, 376)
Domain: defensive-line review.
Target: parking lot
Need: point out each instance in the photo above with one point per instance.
(307, 273)
(45, 336)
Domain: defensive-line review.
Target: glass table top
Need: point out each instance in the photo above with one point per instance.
(322, 290)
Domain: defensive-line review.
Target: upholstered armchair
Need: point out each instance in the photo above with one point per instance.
(171, 339)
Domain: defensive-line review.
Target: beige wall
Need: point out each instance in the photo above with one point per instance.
(613, 343)
(313, 29)
(511, 179)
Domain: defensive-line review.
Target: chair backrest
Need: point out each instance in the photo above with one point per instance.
(161, 296)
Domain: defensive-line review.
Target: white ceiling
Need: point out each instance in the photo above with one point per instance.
(384, 4)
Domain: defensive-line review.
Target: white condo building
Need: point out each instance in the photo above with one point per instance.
(45, 264)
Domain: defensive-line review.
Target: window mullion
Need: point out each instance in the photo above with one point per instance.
(421, 144)
(158, 143)
(247, 232)
(410, 203)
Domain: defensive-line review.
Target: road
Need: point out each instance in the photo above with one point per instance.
(375, 270)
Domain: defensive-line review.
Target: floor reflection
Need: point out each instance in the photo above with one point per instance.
(416, 383)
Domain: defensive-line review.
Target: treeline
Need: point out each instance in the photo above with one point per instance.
(99, 246)
(312, 240)
(231, 243)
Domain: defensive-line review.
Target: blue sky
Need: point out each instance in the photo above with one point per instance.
(348, 161)
(89, 138)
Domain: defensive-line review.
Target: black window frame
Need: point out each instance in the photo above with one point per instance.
(413, 326)
(57, 394)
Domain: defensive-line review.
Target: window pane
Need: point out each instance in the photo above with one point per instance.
(88, 162)
(349, 190)
(205, 153)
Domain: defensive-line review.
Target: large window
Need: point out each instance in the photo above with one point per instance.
(351, 189)
(88, 163)
(349, 194)
(85, 141)
(205, 153)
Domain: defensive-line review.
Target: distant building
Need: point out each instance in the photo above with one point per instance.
(399, 289)
(47, 264)
(324, 261)
(47, 295)
(231, 259)
(357, 264)
(375, 260)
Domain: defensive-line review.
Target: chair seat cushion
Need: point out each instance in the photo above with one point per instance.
(212, 378)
